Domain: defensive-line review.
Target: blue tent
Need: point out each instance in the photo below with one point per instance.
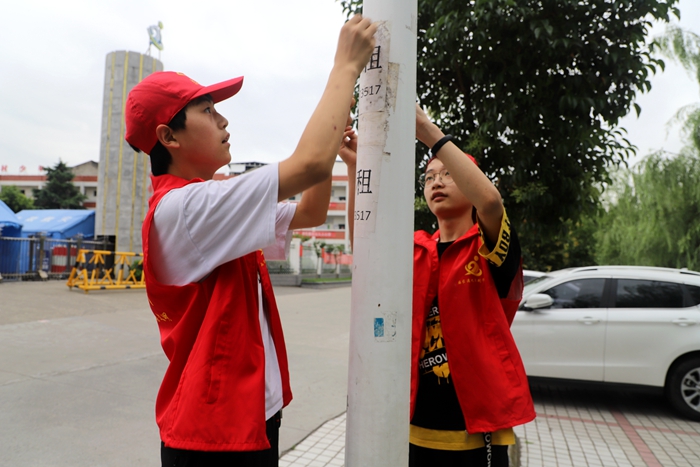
(57, 223)
(10, 225)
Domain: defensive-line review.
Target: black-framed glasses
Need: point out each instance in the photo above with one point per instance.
(428, 178)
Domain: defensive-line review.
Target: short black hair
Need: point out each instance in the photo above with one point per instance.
(160, 157)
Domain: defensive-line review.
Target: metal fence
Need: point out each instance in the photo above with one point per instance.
(24, 258)
(310, 262)
(279, 267)
(308, 266)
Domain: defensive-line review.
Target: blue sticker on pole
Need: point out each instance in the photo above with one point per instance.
(378, 327)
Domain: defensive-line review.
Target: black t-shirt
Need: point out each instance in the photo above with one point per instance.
(437, 406)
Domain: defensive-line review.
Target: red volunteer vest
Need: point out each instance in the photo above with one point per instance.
(485, 364)
(212, 397)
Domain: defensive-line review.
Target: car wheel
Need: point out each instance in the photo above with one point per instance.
(683, 388)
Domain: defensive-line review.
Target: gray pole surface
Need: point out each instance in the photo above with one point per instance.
(380, 324)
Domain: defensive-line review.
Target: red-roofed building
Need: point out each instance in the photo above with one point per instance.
(85, 180)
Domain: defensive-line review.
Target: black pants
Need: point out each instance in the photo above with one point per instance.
(171, 457)
(424, 457)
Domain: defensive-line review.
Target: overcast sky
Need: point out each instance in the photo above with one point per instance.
(52, 65)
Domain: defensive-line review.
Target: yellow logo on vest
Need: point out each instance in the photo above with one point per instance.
(162, 317)
(473, 268)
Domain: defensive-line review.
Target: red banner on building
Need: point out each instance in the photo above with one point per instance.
(335, 234)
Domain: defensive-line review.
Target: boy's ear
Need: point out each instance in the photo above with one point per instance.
(166, 136)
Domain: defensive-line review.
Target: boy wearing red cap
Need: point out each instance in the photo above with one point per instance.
(207, 285)
(467, 284)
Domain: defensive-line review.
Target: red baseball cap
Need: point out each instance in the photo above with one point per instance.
(159, 97)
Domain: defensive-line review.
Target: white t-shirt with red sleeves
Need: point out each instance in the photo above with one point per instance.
(203, 225)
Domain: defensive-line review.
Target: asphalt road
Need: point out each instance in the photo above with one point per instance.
(79, 375)
(79, 372)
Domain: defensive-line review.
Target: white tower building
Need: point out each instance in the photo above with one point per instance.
(123, 176)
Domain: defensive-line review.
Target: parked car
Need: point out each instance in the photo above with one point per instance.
(529, 275)
(615, 324)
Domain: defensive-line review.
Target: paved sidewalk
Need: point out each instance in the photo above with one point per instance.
(325, 446)
(606, 427)
(79, 374)
(575, 427)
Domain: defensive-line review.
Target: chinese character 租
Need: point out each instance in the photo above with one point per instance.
(374, 59)
(363, 177)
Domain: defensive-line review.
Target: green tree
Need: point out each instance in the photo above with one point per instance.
(319, 247)
(15, 199)
(337, 251)
(534, 89)
(652, 218)
(684, 47)
(654, 214)
(59, 191)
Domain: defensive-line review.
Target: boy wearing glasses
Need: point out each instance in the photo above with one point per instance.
(468, 383)
(467, 284)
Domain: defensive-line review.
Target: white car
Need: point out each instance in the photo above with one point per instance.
(529, 275)
(615, 324)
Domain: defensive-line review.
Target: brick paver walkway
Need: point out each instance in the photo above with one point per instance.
(575, 427)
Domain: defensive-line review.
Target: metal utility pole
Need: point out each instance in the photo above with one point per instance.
(380, 327)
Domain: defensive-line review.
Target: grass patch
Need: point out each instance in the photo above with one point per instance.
(321, 281)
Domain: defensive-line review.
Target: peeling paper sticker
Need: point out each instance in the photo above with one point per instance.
(369, 164)
(373, 127)
(373, 80)
(385, 328)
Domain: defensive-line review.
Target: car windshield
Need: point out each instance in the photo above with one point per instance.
(534, 283)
